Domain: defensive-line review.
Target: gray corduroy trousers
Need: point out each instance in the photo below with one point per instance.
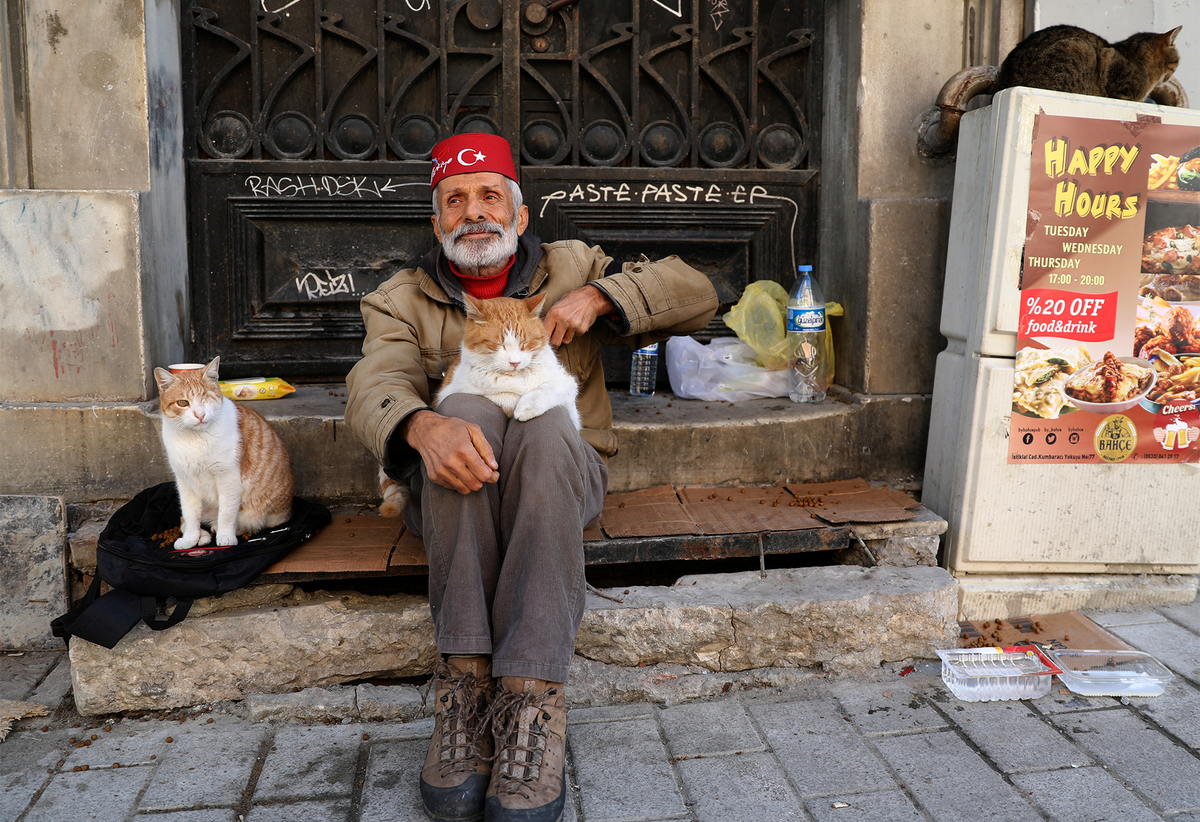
(506, 561)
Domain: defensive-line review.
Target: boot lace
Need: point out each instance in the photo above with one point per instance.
(462, 719)
(519, 750)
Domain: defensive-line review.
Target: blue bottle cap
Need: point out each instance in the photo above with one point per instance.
(806, 268)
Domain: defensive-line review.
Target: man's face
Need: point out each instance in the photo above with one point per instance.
(477, 227)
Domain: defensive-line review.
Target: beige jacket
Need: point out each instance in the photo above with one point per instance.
(414, 329)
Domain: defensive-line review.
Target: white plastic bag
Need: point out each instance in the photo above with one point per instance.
(726, 369)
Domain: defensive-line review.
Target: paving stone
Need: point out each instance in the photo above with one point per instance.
(33, 570)
(622, 772)
(307, 705)
(877, 806)
(97, 796)
(382, 702)
(16, 789)
(31, 748)
(1062, 700)
(1186, 615)
(204, 815)
(329, 810)
(819, 748)
(1015, 738)
(390, 792)
(1083, 795)
(126, 745)
(1177, 710)
(709, 728)
(20, 672)
(880, 708)
(55, 686)
(949, 779)
(1136, 753)
(746, 787)
(310, 762)
(209, 767)
(607, 713)
(1174, 646)
(1120, 618)
(397, 731)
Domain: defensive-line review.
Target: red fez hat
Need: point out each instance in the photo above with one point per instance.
(468, 153)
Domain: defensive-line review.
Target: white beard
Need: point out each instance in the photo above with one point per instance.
(472, 255)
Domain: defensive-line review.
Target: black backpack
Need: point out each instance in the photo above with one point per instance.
(145, 572)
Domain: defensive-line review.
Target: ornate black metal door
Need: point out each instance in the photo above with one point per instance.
(648, 126)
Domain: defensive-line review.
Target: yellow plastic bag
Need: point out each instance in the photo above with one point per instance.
(255, 388)
(760, 320)
(831, 310)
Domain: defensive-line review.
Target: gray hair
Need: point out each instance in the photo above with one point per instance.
(514, 193)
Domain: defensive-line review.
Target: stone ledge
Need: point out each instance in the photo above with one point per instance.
(67, 449)
(795, 623)
(1004, 596)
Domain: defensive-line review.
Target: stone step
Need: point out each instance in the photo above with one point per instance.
(715, 629)
(110, 451)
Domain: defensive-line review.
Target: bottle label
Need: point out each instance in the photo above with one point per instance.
(806, 319)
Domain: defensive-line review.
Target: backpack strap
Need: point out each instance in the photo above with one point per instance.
(100, 619)
(154, 612)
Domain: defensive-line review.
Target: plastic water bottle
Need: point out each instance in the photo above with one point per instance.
(643, 371)
(806, 332)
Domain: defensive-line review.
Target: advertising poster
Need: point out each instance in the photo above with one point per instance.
(1108, 346)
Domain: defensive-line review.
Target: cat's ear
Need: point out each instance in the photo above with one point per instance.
(164, 378)
(210, 370)
(1172, 34)
(473, 307)
(534, 304)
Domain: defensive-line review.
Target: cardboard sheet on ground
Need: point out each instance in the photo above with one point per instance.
(1069, 630)
(745, 510)
(854, 501)
(652, 512)
(409, 551)
(345, 545)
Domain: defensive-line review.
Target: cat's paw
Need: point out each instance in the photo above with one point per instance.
(187, 541)
(204, 539)
(225, 538)
(530, 406)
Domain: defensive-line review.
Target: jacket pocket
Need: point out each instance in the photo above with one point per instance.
(435, 364)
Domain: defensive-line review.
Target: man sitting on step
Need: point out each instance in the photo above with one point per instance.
(500, 504)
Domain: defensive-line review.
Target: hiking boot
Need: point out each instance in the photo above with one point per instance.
(458, 767)
(529, 724)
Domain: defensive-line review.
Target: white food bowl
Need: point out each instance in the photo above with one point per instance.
(1115, 407)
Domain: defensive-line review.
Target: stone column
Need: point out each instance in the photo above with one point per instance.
(885, 210)
(93, 243)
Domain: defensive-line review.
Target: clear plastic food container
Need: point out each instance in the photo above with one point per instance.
(989, 674)
(1111, 673)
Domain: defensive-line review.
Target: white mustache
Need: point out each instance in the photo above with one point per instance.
(456, 233)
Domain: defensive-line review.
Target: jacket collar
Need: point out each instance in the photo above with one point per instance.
(445, 287)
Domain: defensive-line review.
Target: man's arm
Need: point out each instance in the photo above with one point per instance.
(455, 452)
(656, 299)
(576, 313)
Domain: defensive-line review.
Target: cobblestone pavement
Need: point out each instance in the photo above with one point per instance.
(890, 748)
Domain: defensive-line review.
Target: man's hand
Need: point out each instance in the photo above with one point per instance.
(575, 313)
(455, 452)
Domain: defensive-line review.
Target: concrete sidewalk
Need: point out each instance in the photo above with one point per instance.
(896, 746)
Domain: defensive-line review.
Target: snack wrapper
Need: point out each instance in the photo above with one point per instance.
(256, 388)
